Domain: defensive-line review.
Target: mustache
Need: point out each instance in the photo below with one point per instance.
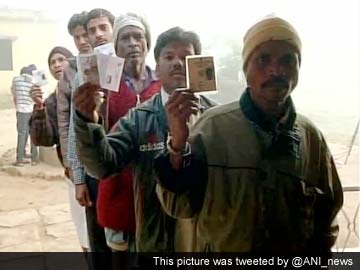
(276, 81)
(177, 70)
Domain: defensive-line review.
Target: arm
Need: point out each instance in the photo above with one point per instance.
(13, 92)
(181, 191)
(76, 168)
(328, 205)
(63, 112)
(181, 179)
(43, 130)
(103, 155)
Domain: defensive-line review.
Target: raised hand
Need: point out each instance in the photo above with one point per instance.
(87, 101)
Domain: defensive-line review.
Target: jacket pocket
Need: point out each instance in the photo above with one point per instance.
(308, 198)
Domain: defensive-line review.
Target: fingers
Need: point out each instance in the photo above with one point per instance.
(82, 195)
(88, 202)
(88, 99)
(182, 104)
(36, 91)
(84, 94)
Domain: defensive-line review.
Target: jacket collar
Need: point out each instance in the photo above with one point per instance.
(267, 123)
(154, 105)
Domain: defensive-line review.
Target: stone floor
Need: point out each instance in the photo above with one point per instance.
(41, 222)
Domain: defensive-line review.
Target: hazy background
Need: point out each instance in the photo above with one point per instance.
(328, 89)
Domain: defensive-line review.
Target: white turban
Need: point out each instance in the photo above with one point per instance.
(270, 28)
(123, 21)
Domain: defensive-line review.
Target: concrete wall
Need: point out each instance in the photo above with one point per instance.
(35, 34)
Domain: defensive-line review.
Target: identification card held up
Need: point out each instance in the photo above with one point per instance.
(39, 77)
(100, 69)
(200, 73)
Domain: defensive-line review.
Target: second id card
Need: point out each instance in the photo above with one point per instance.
(200, 73)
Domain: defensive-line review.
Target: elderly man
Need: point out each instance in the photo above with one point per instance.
(115, 203)
(137, 138)
(260, 177)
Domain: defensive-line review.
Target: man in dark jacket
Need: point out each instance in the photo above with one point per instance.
(43, 122)
(138, 137)
(260, 177)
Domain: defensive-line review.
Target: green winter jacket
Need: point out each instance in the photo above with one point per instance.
(135, 139)
(255, 185)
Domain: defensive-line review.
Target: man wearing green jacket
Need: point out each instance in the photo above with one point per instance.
(260, 177)
(138, 137)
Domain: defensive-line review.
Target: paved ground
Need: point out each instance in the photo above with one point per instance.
(34, 209)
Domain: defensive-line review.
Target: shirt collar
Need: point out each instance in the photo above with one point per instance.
(147, 78)
(266, 122)
(164, 96)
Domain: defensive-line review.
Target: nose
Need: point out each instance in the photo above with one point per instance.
(98, 33)
(82, 41)
(57, 64)
(132, 41)
(275, 69)
(178, 63)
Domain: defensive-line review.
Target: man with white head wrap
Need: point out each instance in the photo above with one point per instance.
(115, 203)
(260, 177)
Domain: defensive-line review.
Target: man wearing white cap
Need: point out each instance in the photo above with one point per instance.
(115, 202)
(260, 177)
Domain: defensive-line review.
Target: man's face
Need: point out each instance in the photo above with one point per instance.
(131, 44)
(81, 39)
(99, 31)
(171, 68)
(58, 64)
(272, 72)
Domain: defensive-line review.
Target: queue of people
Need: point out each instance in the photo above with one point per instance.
(146, 175)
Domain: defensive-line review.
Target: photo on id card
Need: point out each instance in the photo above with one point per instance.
(88, 68)
(39, 77)
(200, 73)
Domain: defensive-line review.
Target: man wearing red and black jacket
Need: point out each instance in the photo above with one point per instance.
(114, 199)
(115, 202)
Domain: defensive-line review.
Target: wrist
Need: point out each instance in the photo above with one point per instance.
(179, 149)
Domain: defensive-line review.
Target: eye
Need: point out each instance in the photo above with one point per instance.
(124, 37)
(139, 36)
(263, 59)
(169, 57)
(288, 60)
(104, 27)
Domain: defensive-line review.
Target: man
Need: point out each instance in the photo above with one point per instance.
(43, 122)
(260, 176)
(98, 25)
(115, 203)
(138, 137)
(66, 84)
(20, 90)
